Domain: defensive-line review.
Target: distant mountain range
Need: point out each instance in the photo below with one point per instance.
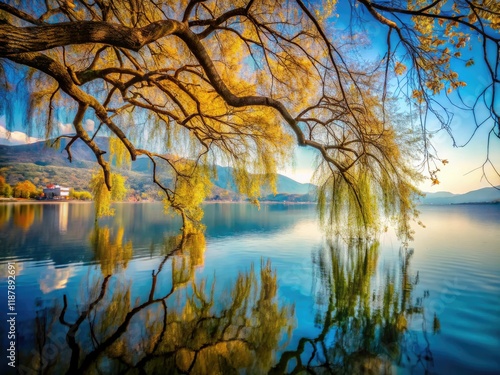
(485, 195)
(41, 165)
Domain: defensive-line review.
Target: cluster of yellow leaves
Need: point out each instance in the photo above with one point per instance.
(400, 68)
(440, 41)
(434, 173)
(328, 8)
(379, 180)
(119, 154)
(25, 189)
(102, 196)
(191, 186)
(488, 11)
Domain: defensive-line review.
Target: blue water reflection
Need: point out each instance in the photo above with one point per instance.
(261, 291)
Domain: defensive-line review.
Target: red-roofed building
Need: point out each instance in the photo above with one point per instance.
(56, 192)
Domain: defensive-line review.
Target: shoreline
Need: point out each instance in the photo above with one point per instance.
(76, 201)
(34, 201)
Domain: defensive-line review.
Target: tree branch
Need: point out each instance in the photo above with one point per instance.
(58, 72)
(43, 37)
(20, 14)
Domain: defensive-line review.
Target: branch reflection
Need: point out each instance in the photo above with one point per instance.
(368, 319)
(176, 324)
(364, 319)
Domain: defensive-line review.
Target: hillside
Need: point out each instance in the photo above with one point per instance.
(42, 165)
(485, 195)
(285, 185)
(40, 154)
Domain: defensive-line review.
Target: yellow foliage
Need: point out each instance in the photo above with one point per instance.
(103, 197)
(112, 254)
(24, 216)
(118, 152)
(191, 186)
(399, 69)
(25, 189)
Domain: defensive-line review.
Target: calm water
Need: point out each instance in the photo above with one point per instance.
(259, 292)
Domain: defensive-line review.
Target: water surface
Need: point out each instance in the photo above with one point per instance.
(260, 291)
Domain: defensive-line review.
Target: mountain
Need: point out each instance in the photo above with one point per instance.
(484, 195)
(284, 184)
(39, 153)
(42, 165)
(440, 194)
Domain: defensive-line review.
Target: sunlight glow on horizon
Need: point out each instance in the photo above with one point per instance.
(462, 173)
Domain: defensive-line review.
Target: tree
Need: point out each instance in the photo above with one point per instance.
(240, 82)
(7, 191)
(25, 189)
(5, 188)
(80, 195)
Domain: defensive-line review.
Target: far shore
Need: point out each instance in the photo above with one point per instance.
(34, 201)
(57, 201)
(76, 201)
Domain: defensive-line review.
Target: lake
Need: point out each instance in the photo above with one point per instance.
(261, 291)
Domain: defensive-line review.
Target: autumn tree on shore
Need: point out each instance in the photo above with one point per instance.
(25, 189)
(5, 188)
(189, 84)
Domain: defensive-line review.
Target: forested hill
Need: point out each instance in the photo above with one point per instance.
(42, 164)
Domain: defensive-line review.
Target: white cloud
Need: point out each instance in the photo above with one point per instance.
(89, 125)
(65, 128)
(53, 278)
(12, 138)
(15, 137)
(68, 128)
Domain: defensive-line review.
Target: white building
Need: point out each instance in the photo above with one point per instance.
(56, 192)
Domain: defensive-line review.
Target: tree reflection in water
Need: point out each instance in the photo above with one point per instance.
(177, 325)
(110, 251)
(364, 320)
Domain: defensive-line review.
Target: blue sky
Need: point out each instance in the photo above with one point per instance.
(464, 171)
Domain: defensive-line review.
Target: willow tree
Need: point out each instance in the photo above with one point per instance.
(189, 84)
